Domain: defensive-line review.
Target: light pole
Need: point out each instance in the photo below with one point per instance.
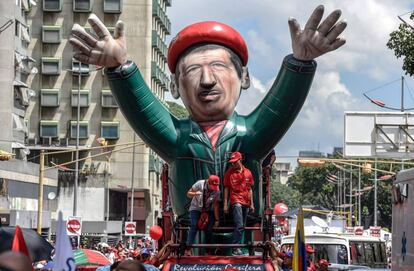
(376, 194)
(359, 196)
(132, 187)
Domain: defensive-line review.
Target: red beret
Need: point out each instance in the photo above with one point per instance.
(206, 32)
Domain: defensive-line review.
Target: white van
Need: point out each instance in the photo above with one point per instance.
(403, 221)
(344, 249)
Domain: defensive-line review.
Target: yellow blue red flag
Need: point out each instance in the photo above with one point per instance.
(299, 250)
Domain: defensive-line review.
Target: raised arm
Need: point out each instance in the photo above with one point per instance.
(273, 117)
(149, 118)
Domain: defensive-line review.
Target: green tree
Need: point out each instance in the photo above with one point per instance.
(313, 188)
(280, 192)
(402, 42)
(177, 110)
(311, 183)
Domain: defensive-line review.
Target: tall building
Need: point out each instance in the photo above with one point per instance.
(104, 190)
(18, 177)
(313, 154)
(282, 172)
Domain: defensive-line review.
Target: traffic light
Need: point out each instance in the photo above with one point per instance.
(311, 162)
(367, 168)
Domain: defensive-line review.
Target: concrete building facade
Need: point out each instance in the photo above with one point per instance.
(104, 192)
(282, 172)
(18, 177)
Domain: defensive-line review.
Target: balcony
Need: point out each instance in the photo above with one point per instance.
(158, 43)
(159, 75)
(159, 14)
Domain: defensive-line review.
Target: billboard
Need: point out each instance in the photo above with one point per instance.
(379, 134)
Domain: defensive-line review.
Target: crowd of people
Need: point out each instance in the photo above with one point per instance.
(282, 260)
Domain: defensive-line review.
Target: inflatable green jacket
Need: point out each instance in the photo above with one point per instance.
(183, 144)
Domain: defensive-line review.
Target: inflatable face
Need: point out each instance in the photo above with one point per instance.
(208, 84)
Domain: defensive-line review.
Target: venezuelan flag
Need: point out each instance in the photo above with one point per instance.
(299, 250)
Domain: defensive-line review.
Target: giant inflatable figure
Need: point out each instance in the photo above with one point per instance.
(208, 65)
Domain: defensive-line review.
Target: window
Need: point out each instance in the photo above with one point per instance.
(51, 34)
(84, 68)
(48, 128)
(17, 28)
(108, 100)
(51, 65)
(52, 5)
(20, 92)
(83, 129)
(84, 98)
(113, 6)
(49, 97)
(110, 129)
(82, 5)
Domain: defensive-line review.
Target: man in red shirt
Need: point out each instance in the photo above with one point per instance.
(238, 183)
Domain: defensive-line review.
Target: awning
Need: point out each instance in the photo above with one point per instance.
(25, 5)
(28, 58)
(18, 123)
(25, 33)
(17, 145)
(18, 83)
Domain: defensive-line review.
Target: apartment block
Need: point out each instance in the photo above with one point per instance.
(19, 176)
(62, 84)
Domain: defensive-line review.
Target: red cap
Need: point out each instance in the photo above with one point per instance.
(309, 249)
(214, 182)
(206, 32)
(323, 262)
(235, 156)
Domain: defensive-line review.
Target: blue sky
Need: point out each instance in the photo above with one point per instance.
(363, 63)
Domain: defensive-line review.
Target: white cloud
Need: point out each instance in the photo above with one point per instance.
(336, 87)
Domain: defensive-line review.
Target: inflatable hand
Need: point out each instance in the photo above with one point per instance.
(316, 39)
(106, 51)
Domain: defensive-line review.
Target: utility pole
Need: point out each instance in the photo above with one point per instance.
(75, 190)
(350, 195)
(132, 187)
(376, 194)
(359, 196)
(402, 93)
(40, 196)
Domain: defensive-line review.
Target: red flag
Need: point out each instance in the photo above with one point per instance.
(19, 244)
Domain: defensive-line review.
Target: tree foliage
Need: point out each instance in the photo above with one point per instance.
(308, 186)
(402, 42)
(177, 110)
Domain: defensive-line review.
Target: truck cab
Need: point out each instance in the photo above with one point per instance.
(403, 221)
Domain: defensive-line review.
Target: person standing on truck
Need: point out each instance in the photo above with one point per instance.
(238, 183)
(204, 194)
(309, 254)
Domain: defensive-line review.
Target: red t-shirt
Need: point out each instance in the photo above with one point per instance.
(240, 185)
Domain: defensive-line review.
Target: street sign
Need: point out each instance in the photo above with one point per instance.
(350, 230)
(359, 230)
(130, 228)
(74, 225)
(375, 231)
